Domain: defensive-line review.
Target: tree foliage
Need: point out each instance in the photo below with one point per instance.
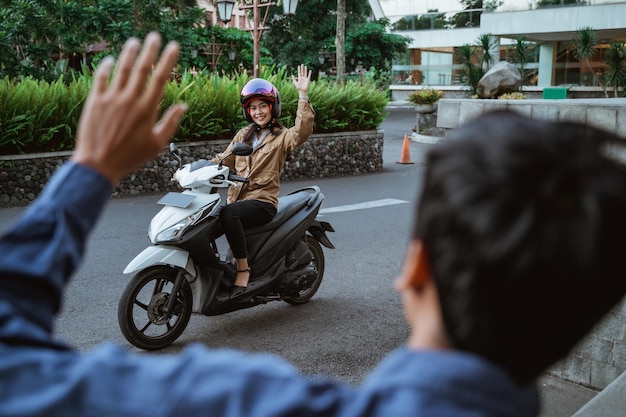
(523, 51)
(471, 72)
(300, 38)
(40, 38)
(473, 11)
(469, 17)
(615, 58)
(373, 46)
(549, 3)
(489, 46)
(431, 20)
(584, 46)
(46, 39)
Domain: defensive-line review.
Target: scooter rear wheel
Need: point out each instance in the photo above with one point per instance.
(140, 310)
(318, 263)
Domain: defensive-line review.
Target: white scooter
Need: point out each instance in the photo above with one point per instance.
(183, 271)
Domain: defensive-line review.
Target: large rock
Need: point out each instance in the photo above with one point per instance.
(502, 78)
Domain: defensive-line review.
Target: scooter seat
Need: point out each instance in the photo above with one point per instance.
(287, 206)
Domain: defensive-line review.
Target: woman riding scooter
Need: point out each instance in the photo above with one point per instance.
(254, 203)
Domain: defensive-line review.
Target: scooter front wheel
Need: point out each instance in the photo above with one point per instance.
(142, 314)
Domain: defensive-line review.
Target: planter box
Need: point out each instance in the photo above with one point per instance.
(605, 113)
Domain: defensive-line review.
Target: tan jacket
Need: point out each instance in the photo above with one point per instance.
(266, 163)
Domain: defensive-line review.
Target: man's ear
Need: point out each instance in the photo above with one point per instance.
(416, 271)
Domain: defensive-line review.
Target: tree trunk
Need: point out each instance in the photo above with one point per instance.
(595, 78)
(340, 41)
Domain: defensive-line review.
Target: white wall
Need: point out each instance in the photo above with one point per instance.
(550, 20)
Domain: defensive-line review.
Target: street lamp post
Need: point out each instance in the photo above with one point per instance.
(258, 25)
(214, 50)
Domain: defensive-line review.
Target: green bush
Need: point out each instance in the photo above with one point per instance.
(38, 116)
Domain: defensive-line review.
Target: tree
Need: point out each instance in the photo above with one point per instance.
(489, 46)
(430, 20)
(38, 35)
(340, 41)
(523, 51)
(584, 46)
(473, 10)
(299, 39)
(472, 72)
(615, 58)
(231, 38)
(549, 3)
(374, 46)
(26, 28)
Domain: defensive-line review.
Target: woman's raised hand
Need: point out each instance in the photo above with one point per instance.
(301, 82)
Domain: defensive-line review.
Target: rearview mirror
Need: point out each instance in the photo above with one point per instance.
(241, 149)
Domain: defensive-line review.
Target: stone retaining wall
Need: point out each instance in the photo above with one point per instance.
(324, 155)
(608, 113)
(601, 356)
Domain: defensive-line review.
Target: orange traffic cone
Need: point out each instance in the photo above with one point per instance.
(405, 157)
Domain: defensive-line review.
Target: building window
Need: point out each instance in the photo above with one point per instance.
(568, 70)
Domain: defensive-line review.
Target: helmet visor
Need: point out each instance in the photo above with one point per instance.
(258, 88)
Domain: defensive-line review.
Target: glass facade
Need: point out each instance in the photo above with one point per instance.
(570, 71)
(445, 66)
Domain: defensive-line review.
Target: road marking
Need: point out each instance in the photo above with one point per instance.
(361, 206)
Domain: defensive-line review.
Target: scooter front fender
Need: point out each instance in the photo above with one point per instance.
(161, 255)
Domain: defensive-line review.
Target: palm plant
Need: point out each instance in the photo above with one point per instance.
(489, 46)
(584, 47)
(615, 58)
(522, 52)
(472, 72)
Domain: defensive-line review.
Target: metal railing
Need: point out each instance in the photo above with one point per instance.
(458, 19)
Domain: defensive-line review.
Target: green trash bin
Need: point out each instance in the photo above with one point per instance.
(554, 93)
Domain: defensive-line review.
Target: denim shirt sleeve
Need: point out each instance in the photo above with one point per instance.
(40, 252)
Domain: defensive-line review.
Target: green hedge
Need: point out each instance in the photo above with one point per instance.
(36, 116)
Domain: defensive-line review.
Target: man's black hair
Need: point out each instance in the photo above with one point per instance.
(524, 226)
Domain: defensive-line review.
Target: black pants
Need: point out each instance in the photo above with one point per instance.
(237, 216)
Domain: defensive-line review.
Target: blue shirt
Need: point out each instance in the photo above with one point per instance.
(40, 376)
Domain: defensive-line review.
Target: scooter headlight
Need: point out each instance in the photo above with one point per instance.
(175, 232)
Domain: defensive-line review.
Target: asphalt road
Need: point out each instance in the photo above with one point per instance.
(351, 323)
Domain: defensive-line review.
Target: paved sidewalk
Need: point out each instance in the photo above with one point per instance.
(560, 398)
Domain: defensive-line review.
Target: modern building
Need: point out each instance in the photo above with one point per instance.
(433, 58)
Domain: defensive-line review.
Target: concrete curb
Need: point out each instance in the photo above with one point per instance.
(610, 402)
(416, 137)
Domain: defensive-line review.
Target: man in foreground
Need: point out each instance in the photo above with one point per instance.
(516, 230)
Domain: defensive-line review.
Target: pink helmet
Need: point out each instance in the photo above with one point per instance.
(258, 88)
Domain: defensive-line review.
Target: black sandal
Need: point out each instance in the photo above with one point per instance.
(237, 290)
